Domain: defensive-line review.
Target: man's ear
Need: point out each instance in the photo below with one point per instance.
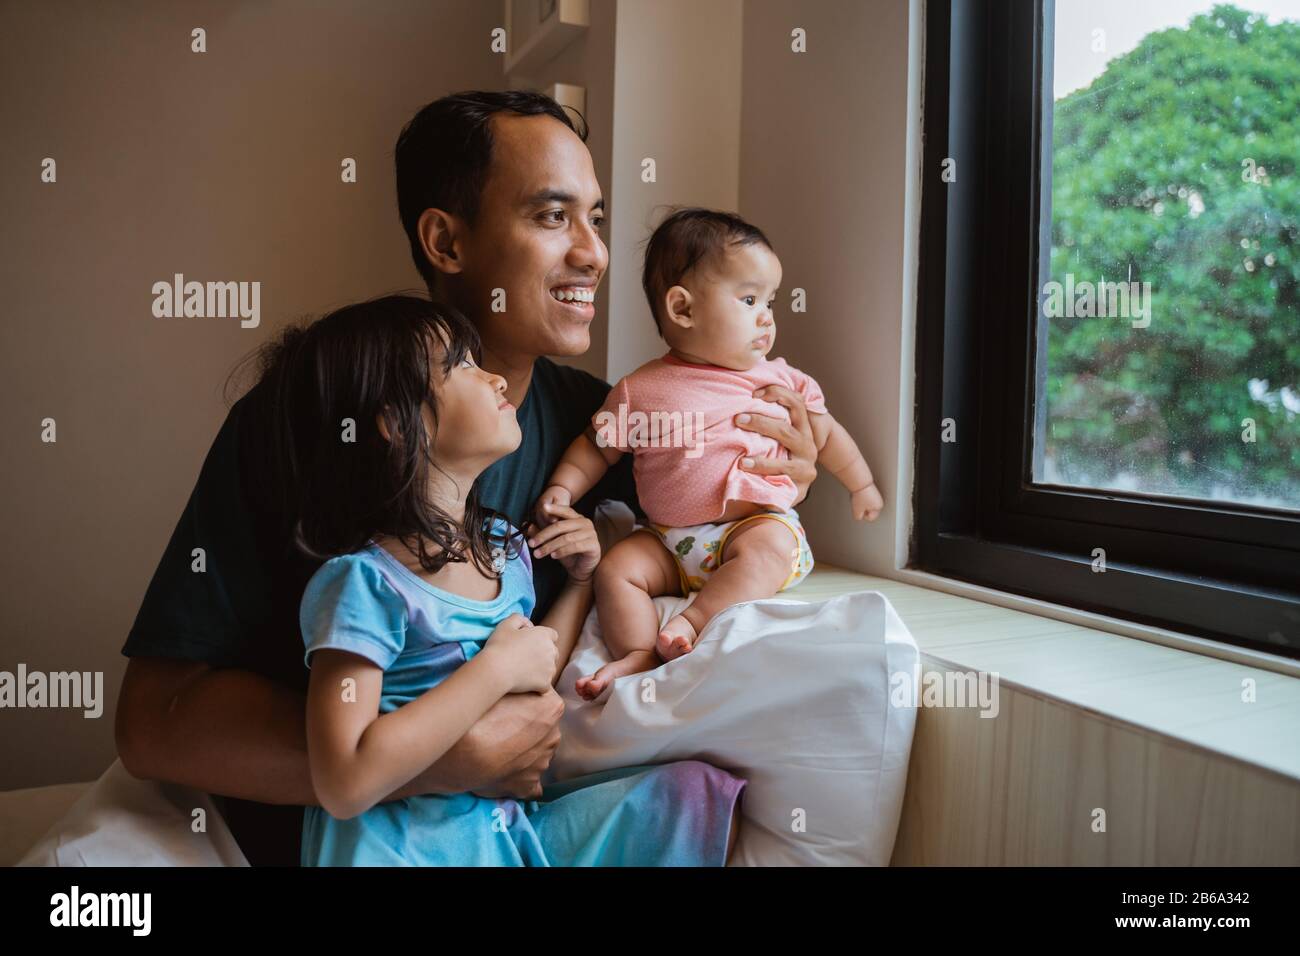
(677, 306)
(440, 236)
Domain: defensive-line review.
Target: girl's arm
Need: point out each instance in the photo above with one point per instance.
(358, 757)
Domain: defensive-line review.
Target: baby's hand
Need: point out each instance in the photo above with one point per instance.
(866, 503)
(527, 654)
(569, 538)
(553, 495)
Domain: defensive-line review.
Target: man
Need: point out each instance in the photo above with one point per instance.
(500, 203)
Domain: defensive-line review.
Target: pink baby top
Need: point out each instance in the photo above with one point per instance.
(678, 421)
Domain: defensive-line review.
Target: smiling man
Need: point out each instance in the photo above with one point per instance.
(502, 210)
(500, 203)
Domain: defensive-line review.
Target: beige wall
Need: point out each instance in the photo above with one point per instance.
(677, 87)
(221, 166)
(822, 172)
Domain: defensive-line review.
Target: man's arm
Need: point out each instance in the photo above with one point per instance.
(231, 732)
(240, 734)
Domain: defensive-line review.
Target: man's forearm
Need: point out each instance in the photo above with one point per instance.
(240, 734)
(229, 732)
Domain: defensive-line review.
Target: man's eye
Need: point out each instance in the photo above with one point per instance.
(554, 212)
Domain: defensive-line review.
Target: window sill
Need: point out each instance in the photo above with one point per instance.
(1190, 693)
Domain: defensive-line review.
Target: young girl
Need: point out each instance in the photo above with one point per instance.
(713, 527)
(418, 622)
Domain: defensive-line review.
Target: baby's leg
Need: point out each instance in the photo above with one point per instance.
(636, 569)
(756, 560)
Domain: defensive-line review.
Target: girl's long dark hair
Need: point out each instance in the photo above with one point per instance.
(338, 481)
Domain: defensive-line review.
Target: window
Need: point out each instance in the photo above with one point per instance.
(1170, 312)
(1109, 337)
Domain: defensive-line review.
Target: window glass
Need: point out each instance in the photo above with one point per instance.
(1170, 298)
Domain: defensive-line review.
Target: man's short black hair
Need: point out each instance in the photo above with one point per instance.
(685, 239)
(443, 155)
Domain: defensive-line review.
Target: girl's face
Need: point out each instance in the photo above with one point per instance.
(476, 425)
(731, 323)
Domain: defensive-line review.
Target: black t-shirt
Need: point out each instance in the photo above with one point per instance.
(241, 611)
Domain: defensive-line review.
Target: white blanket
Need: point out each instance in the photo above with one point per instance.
(793, 697)
(122, 821)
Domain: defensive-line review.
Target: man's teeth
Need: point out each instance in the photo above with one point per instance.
(574, 295)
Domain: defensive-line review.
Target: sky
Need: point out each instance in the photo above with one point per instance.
(1125, 23)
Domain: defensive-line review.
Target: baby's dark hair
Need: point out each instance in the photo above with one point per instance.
(685, 239)
(323, 387)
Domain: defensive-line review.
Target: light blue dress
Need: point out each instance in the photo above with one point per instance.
(369, 603)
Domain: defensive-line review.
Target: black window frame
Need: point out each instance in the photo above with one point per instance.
(1218, 570)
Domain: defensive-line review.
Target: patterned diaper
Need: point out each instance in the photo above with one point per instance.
(698, 548)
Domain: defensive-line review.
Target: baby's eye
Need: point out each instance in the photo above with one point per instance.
(748, 300)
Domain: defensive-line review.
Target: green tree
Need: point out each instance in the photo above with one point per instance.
(1148, 185)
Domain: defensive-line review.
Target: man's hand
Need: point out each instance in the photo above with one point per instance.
(796, 437)
(506, 752)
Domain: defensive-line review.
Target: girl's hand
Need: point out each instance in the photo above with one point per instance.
(553, 495)
(866, 503)
(570, 538)
(526, 654)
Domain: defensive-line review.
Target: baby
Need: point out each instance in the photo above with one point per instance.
(732, 535)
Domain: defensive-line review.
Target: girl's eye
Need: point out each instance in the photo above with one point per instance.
(467, 362)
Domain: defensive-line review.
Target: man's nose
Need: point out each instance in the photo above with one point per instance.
(588, 249)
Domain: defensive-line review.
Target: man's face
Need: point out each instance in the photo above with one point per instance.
(536, 238)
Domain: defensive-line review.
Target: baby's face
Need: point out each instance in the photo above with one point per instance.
(731, 305)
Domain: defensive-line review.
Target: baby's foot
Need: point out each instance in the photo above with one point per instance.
(676, 638)
(591, 687)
